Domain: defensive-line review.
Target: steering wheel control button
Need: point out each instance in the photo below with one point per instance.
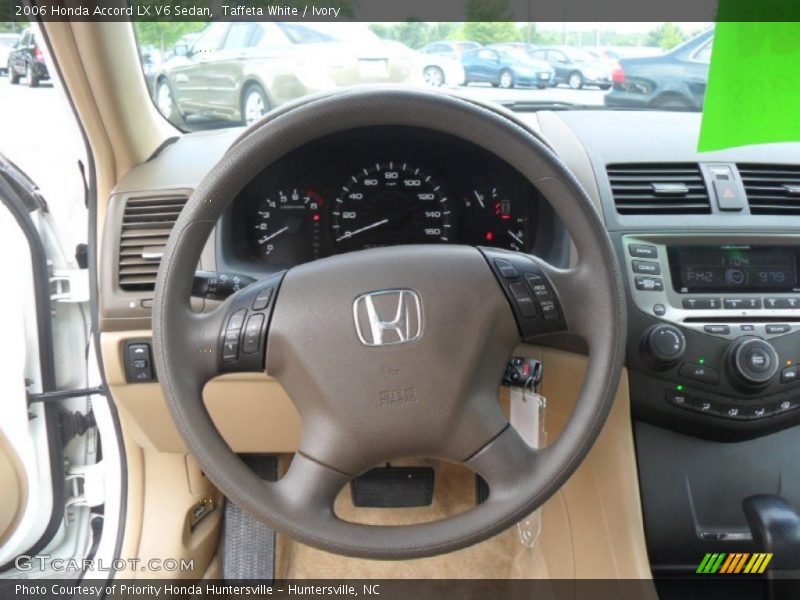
(646, 267)
(699, 372)
(777, 329)
(701, 303)
(230, 342)
(507, 270)
(789, 374)
(741, 303)
(649, 284)
(717, 329)
(524, 300)
(643, 251)
(262, 300)
(252, 334)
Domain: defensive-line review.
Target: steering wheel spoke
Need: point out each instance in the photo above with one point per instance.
(504, 462)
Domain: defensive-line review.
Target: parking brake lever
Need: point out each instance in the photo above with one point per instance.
(775, 526)
(218, 286)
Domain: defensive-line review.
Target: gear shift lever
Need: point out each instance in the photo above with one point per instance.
(775, 526)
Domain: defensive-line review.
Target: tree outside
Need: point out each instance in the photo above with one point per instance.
(666, 36)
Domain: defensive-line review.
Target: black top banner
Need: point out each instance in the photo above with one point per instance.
(400, 10)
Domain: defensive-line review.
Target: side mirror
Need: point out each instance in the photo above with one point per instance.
(181, 50)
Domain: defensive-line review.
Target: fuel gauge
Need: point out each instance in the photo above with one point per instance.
(491, 218)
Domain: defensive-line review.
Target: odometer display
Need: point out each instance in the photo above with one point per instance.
(387, 204)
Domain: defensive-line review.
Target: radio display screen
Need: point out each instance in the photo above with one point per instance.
(733, 269)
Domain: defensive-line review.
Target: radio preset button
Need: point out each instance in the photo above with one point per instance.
(646, 267)
(643, 251)
(649, 284)
(781, 302)
(701, 303)
(741, 303)
(775, 329)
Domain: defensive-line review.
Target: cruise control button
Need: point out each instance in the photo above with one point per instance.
(718, 329)
(646, 267)
(699, 372)
(506, 269)
(230, 351)
(789, 375)
(237, 320)
(649, 284)
(786, 405)
(643, 251)
(252, 334)
(741, 303)
(549, 311)
(262, 300)
(701, 303)
(780, 328)
(525, 303)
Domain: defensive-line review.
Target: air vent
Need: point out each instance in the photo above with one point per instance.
(772, 189)
(658, 189)
(146, 224)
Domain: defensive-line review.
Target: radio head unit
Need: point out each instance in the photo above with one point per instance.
(734, 269)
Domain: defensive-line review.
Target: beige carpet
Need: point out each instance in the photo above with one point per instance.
(502, 557)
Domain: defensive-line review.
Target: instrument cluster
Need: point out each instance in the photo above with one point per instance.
(373, 188)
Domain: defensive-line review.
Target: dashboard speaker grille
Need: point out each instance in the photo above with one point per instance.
(658, 189)
(146, 224)
(772, 189)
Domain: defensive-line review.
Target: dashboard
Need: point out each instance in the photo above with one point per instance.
(380, 187)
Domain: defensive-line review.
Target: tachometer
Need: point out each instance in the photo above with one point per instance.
(286, 227)
(390, 203)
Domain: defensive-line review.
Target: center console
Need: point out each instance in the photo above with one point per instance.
(714, 346)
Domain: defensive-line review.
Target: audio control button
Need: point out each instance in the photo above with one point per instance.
(649, 284)
(747, 327)
(775, 329)
(646, 267)
(701, 303)
(643, 251)
(781, 302)
(699, 372)
(718, 329)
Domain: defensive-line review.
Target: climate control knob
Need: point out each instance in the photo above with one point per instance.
(753, 361)
(664, 344)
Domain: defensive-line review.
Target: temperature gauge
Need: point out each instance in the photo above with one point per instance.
(493, 219)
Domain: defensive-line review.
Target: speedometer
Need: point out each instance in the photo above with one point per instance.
(390, 203)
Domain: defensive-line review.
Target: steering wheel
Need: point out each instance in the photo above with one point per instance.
(393, 352)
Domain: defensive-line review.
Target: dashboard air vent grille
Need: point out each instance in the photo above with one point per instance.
(146, 224)
(772, 189)
(658, 189)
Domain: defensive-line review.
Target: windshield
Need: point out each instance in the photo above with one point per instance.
(224, 74)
